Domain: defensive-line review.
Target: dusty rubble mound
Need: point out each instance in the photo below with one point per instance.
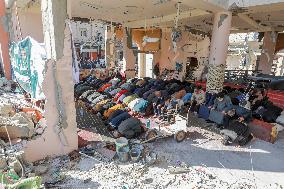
(17, 125)
(14, 122)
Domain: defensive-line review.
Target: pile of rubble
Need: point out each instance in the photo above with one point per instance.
(17, 119)
(14, 170)
(18, 123)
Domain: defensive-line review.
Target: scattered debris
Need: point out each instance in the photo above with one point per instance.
(86, 164)
(179, 170)
(109, 154)
(41, 169)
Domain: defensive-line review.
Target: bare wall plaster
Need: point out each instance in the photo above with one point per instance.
(189, 46)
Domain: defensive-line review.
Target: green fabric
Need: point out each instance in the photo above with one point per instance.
(28, 65)
(28, 183)
(10, 175)
(14, 182)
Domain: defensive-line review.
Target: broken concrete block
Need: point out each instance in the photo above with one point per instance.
(18, 126)
(15, 132)
(6, 109)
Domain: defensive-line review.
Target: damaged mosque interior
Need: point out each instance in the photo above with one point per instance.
(141, 94)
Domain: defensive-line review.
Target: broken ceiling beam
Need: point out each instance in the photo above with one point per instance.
(206, 5)
(254, 24)
(164, 19)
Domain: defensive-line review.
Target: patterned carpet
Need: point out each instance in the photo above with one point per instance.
(91, 127)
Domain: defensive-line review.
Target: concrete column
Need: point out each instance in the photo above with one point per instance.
(128, 57)
(267, 53)
(218, 51)
(60, 136)
(142, 65)
(109, 50)
(4, 41)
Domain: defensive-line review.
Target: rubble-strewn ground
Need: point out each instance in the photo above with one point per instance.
(201, 161)
(204, 161)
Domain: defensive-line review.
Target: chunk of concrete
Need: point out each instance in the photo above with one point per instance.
(6, 109)
(18, 126)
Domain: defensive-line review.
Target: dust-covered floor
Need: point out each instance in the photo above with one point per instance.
(201, 161)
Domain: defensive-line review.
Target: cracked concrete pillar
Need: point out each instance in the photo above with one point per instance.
(268, 52)
(128, 57)
(60, 136)
(142, 65)
(4, 41)
(218, 51)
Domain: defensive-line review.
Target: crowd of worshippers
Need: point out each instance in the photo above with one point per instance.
(91, 64)
(123, 103)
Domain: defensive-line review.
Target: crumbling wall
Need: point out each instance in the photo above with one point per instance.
(26, 21)
(243, 50)
(189, 46)
(60, 136)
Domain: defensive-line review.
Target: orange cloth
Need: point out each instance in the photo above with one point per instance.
(35, 111)
(104, 87)
(112, 109)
